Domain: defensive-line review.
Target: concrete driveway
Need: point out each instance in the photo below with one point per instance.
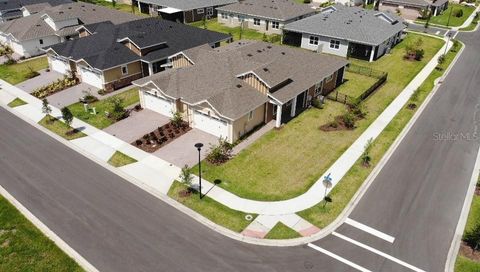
(137, 125)
(181, 151)
(71, 95)
(43, 79)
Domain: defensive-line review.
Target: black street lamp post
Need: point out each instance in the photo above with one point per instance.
(199, 148)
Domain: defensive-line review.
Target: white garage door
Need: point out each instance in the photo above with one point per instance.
(158, 104)
(210, 125)
(91, 78)
(60, 66)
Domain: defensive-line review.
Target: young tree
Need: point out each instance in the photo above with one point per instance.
(366, 159)
(46, 107)
(186, 176)
(177, 120)
(472, 237)
(67, 116)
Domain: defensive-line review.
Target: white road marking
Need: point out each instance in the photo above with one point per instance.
(370, 230)
(335, 256)
(378, 252)
(438, 32)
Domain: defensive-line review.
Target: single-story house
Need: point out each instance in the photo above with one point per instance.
(13, 9)
(347, 31)
(28, 35)
(231, 90)
(267, 16)
(412, 9)
(182, 11)
(110, 56)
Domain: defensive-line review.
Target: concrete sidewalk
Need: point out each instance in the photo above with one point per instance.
(157, 174)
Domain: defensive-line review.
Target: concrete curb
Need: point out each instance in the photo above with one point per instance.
(42, 227)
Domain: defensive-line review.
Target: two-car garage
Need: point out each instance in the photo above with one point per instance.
(210, 124)
(59, 65)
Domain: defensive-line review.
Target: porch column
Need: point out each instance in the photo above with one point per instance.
(372, 53)
(435, 12)
(150, 69)
(139, 8)
(278, 120)
(294, 106)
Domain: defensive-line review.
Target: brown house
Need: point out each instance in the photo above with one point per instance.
(112, 56)
(230, 90)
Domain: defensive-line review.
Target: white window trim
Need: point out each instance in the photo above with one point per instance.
(209, 11)
(276, 25)
(334, 42)
(200, 11)
(313, 40)
(224, 16)
(126, 69)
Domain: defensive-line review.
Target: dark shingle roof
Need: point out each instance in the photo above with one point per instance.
(185, 5)
(215, 75)
(102, 49)
(281, 10)
(415, 3)
(351, 23)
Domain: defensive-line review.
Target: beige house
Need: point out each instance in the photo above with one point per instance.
(266, 16)
(231, 90)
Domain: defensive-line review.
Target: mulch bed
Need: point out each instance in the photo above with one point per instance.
(337, 125)
(160, 137)
(467, 251)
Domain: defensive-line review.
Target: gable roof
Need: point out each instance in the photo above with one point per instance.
(215, 76)
(350, 23)
(34, 26)
(102, 50)
(184, 5)
(281, 10)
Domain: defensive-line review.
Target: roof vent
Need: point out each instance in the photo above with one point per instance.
(239, 86)
(250, 55)
(269, 47)
(265, 69)
(259, 51)
(283, 53)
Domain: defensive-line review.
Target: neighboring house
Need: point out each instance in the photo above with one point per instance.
(353, 2)
(231, 90)
(13, 9)
(182, 11)
(412, 9)
(267, 16)
(347, 31)
(28, 35)
(110, 56)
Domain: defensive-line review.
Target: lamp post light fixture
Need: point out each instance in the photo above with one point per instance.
(199, 148)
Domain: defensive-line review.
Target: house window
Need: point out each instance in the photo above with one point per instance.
(224, 16)
(240, 18)
(329, 78)
(250, 115)
(200, 11)
(313, 40)
(209, 11)
(124, 69)
(334, 44)
(275, 25)
(256, 21)
(318, 88)
(41, 41)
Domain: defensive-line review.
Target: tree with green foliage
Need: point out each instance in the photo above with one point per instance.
(472, 237)
(186, 176)
(366, 158)
(46, 107)
(67, 116)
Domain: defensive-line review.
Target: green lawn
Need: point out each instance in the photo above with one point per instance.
(281, 231)
(464, 264)
(118, 6)
(473, 25)
(355, 84)
(348, 186)
(16, 102)
(454, 21)
(100, 120)
(248, 34)
(284, 163)
(24, 248)
(209, 208)
(119, 159)
(18, 72)
(60, 128)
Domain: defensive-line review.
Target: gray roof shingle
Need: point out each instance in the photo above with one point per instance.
(350, 23)
(281, 10)
(102, 49)
(215, 75)
(185, 5)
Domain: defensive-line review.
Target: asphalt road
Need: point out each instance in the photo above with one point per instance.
(416, 198)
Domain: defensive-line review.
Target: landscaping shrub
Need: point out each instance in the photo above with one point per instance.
(119, 111)
(102, 92)
(414, 51)
(220, 153)
(177, 120)
(67, 116)
(317, 103)
(348, 119)
(458, 13)
(57, 86)
(358, 109)
(88, 97)
(186, 176)
(31, 73)
(472, 237)
(307, 1)
(366, 158)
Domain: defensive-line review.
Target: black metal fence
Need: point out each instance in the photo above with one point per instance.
(365, 71)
